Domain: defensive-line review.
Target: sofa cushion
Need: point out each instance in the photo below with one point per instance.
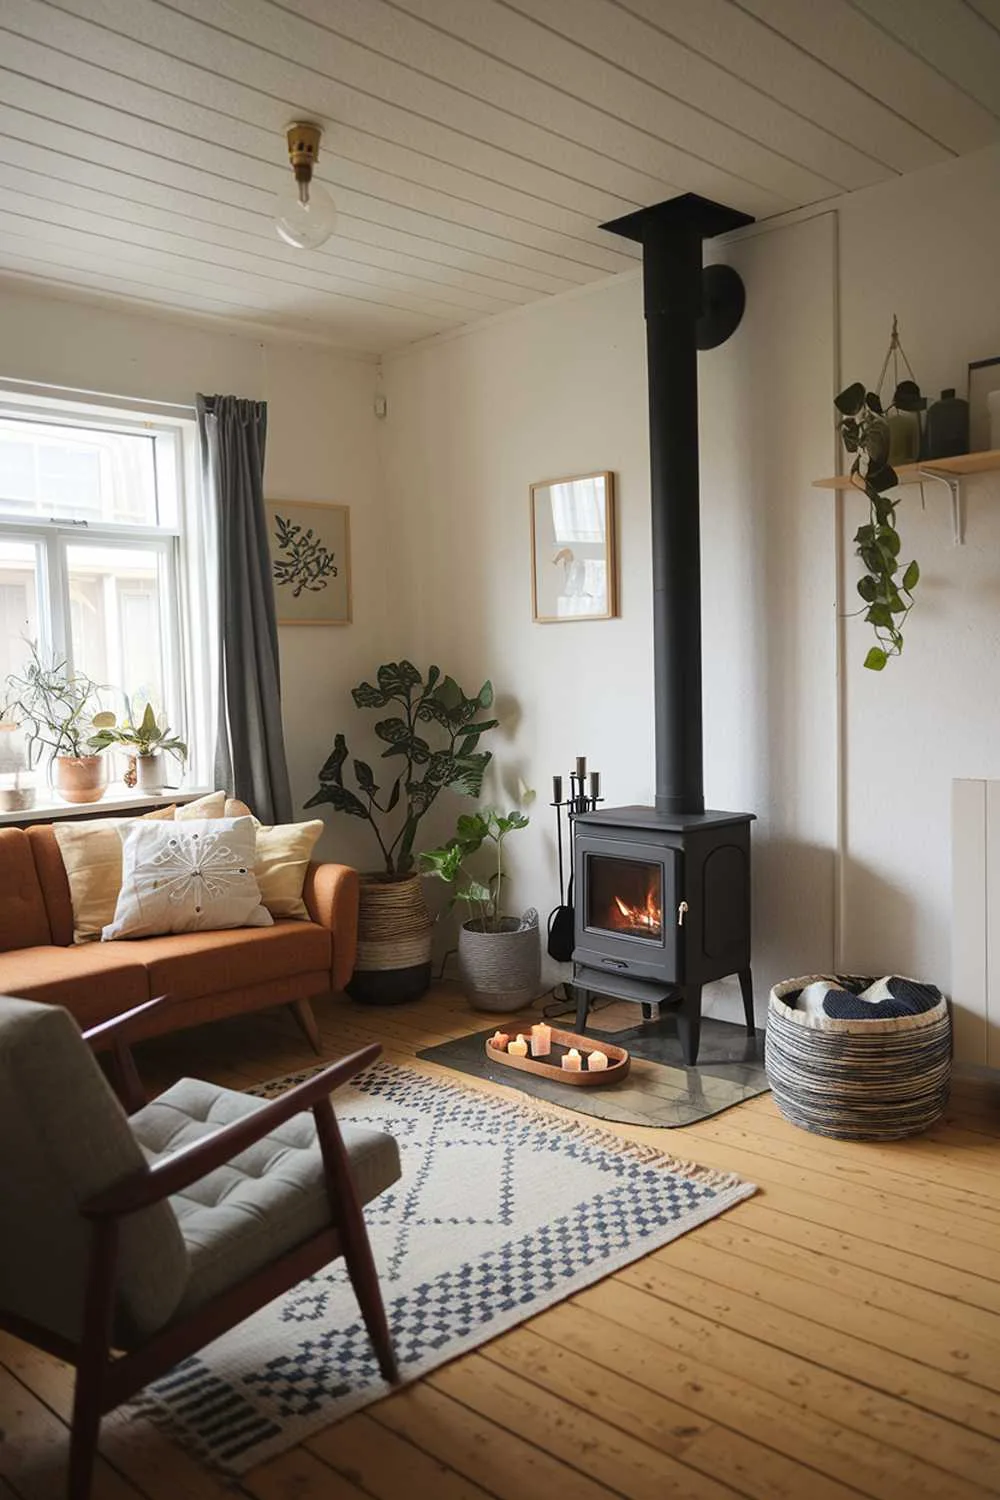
(93, 982)
(189, 964)
(24, 922)
(53, 881)
(91, 850)
(265, 1201)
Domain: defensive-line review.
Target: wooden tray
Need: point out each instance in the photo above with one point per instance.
(551, 1066)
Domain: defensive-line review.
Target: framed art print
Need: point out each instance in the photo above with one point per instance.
(574, 566)
(310, 561)
(984, 405)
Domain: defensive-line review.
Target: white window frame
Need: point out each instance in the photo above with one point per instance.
(185, 543)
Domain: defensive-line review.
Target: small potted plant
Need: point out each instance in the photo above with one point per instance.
(147, 741)
(394, 928)
(56, 708)
(499, 957)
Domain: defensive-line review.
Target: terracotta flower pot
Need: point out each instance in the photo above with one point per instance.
(80, 778)
(394, 941)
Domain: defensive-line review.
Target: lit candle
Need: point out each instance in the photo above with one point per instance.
(595, 785)
(541, 1040)
(557, 789)
(581, 769)
(499, 1041)
(518, 1048)
(572, 1061)
(597, 1061)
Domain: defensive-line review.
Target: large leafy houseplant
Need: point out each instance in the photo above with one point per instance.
(448, 863)
(886, 591)
(435, 706)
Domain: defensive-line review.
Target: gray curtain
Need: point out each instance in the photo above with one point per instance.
(250, 746)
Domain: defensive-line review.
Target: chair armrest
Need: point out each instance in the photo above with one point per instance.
(122, 1028)
(175, 1172)
(331, 897)
(114, 1036)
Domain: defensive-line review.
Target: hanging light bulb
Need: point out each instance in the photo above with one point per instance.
(304, 213)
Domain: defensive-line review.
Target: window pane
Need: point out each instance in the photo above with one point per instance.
(18, 605)
(115, 595)
(78, 474)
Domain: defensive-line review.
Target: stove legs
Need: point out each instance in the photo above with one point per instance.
(582, 1009)
(689, 1022)
(746, 990)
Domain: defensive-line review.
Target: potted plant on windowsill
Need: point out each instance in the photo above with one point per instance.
(17, 794)
(394, 931)
(56, 708)
(499, 957)
(148, 741)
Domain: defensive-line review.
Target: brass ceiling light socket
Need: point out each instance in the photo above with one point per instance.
(304, 214)
(303, 148)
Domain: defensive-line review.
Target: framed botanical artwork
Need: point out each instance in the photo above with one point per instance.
(310, 561)
(574, 562)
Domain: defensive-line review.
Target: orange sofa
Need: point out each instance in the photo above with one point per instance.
(208, 974)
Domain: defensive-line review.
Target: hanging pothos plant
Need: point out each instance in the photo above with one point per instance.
(887, 592)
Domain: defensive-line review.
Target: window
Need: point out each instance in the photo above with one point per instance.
(103, 559)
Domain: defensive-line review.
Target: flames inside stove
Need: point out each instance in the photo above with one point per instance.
(625, 896)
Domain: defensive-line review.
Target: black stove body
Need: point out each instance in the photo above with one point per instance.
(663, 893)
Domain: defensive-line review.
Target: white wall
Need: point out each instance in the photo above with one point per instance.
(321, 446)
(824, 753)
(925, 248)
(561, 390)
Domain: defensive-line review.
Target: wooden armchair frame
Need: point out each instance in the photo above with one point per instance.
(104, 1380)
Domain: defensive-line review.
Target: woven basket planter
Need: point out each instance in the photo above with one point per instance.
(878, 1080)
(501, 971)
(394, 941)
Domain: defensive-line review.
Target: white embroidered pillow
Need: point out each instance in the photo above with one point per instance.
(196, 876)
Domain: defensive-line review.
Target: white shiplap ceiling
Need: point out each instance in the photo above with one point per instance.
(472, 146)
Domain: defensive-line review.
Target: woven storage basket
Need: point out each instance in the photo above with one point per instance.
(394, 941)
(876, 1080)
(501, 971)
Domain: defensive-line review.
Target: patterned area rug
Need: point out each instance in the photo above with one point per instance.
(503, 1209)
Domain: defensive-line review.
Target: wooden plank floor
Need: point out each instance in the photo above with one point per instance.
(838, 1335)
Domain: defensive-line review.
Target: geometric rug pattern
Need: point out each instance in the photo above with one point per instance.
(504, 1208)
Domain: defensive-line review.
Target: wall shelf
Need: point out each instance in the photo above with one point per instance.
(946, 471)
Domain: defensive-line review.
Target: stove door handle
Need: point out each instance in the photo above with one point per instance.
(682, 912)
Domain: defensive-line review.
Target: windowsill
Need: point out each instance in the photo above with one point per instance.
(54, 810)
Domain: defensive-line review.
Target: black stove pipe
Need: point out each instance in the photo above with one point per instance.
(671, 235)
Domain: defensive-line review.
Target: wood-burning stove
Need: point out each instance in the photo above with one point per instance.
(662, 908)
(662, 893)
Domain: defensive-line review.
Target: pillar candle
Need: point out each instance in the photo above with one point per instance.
(518, 1048)
(581, 769)
(541, 1040)
(572, 1061)
(499, 1041)
(557, 789)
(597, 1061)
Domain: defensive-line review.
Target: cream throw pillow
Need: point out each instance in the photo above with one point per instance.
(91, 852)
(192, 877)
(283, 853)
(213, 805)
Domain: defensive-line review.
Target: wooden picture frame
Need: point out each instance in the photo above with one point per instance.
(984, 404)
(574, 550)
(310, 545)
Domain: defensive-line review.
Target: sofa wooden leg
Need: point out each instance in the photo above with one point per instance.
(303, 1013)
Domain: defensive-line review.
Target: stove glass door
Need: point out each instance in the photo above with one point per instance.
(625, 897)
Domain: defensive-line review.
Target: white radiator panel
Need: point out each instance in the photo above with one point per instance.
(975, 926)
